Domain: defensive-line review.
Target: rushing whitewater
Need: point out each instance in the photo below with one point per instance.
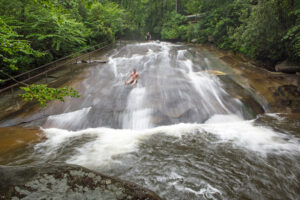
(178, 132)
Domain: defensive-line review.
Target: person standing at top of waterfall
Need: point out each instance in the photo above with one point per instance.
(148, 36)
(134, 76)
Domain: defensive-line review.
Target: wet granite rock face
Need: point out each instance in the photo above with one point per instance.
(289, 96)
(63, 181)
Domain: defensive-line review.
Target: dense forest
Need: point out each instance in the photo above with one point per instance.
(265, 30)
(34, 32)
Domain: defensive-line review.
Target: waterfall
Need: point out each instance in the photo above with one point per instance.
(179, 131)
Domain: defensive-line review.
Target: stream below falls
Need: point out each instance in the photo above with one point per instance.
(185, 131)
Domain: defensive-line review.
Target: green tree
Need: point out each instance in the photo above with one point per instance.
(13, 48)
(174, 27)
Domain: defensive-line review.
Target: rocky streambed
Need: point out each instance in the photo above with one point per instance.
(69, 182)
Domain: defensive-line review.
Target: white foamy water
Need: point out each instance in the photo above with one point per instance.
(111, 142)
(275, 116)
(137, 115)
(67, 119)
(208, 87)
(245, 134)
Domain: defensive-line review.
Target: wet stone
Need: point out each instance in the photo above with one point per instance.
(91, 175)
(119, 194)
(63, 181)
(113, 188)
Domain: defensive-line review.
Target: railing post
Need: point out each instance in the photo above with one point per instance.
(13, 94)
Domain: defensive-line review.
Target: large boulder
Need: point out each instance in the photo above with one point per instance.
(287, 67)
(63, 181)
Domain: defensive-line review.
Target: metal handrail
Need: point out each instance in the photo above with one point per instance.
(52, 62)
(53, 68)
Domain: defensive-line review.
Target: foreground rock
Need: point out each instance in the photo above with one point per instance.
(12, 138)
(62, 181)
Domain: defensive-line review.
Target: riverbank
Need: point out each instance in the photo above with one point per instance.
(278, 92)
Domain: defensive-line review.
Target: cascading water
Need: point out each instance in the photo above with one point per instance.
(177, 132)
(172, 89)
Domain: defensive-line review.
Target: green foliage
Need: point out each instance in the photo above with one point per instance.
(266, 31)
(110, 15)
(56, 28)
(106, 20)
(54, 32)
(44, 94)
(147, 15)
(12, 48)
(174, 27)
(193, 6)
(260, 36)
(293, 34)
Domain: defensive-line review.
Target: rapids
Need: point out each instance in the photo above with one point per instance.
(178, 132)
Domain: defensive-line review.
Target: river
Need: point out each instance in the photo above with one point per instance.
(184, 131)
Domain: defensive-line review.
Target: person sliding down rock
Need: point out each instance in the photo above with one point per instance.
(134, 76)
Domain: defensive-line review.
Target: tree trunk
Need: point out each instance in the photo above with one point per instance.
(23, 11)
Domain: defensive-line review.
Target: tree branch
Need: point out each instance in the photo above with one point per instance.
(12, 78)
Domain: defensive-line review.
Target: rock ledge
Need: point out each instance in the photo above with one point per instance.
(63, 181)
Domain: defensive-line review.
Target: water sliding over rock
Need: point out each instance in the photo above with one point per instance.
(182, 131)
(172, 89)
